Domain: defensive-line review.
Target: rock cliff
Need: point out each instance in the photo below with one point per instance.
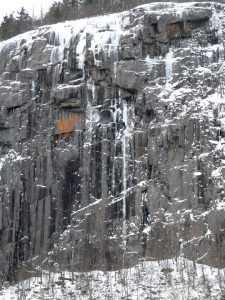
(112, 141)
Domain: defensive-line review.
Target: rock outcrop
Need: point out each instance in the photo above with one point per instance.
(112, 140)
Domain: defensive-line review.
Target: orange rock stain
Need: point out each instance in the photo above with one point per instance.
(68, 124)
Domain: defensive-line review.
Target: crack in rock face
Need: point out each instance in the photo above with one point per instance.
(112, 141)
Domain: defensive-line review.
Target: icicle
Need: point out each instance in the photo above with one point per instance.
(33, 90)
(169, 71)
(57, 54)
(92, 113)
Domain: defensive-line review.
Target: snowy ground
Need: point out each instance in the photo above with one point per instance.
(172, 279)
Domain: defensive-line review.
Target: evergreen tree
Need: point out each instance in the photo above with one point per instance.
(55, 13)
(12, 26)
(61, 11)
(8, 27)
(24, 21)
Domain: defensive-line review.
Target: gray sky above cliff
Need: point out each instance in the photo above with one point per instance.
(8, 6)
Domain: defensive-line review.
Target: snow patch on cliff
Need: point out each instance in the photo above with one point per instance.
(11, 157)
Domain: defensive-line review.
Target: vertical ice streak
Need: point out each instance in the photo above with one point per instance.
(92, 114)
(169, 70)
(57, 54)
(33, 88)
(87, 145)
(80, 49)
(114, 105)
(89, 119)
(124, 147)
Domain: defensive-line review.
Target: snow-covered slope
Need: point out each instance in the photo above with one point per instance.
(112, 141)
(163, 280)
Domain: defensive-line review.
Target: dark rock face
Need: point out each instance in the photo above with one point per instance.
(112, 141)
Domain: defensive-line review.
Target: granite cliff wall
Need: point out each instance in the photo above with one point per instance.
(112, 140)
